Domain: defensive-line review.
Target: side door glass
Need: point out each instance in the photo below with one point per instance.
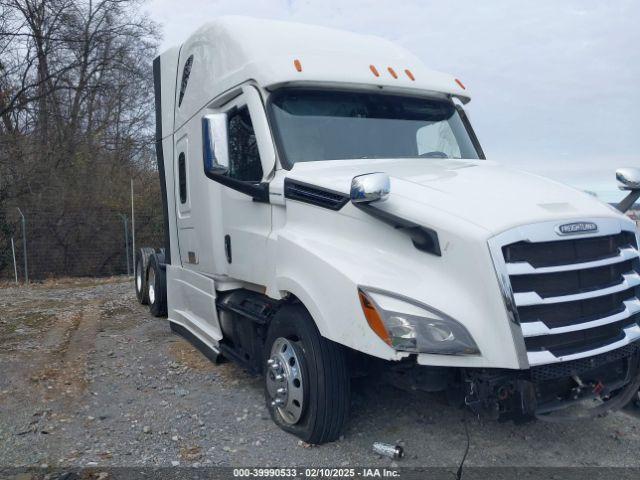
(244, 157)
(238, 150)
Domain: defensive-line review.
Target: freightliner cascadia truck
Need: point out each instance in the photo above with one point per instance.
(329, 212)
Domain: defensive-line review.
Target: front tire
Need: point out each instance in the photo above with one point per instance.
(307, 386)
(157, 285)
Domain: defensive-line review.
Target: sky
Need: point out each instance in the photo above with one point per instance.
(555, 84)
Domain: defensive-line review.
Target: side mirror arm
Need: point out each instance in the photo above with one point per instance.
(371, 189)
(628, 201)
(629, 179)
(424, 239)
(258, 191)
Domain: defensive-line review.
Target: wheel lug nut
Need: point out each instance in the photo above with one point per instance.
(279, 401)
(281, 391)
(279, 377)
(271, 361)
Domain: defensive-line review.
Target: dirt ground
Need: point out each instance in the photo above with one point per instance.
(89, 378)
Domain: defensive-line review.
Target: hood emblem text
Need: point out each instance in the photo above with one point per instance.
(576, 228)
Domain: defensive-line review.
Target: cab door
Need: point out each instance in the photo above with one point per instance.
(246, 219)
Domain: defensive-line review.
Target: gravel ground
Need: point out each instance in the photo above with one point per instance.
(90, 378)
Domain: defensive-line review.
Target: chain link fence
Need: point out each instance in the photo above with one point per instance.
(86, 241)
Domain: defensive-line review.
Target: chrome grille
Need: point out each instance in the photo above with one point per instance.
(573, 297)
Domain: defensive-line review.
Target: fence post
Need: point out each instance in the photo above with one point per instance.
(24, 247)
(126, 240)
(126, 244)
(133, 231)
(15, 267)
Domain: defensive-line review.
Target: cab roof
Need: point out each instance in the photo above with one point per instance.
(231, 50)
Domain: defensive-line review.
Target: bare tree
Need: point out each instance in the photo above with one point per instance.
(76, 123)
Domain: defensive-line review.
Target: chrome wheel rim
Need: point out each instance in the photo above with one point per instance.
(285, 380)
(139, 278)
(152, 288)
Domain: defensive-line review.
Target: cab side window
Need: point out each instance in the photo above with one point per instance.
(244, 158)
(182, 177)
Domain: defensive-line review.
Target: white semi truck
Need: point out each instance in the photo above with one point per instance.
(329, 212)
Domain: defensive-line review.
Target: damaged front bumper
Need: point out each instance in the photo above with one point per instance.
(610, 380)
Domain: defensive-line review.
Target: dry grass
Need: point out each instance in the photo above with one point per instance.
(68, 282)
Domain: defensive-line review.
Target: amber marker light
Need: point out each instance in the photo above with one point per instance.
(410, 75)
(373, 318)
(374, 70)
(392, 72)
(461, 84)
(297, 64)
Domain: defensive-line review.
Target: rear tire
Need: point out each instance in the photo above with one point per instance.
(319, 368)
(157, 285)
(142, 262)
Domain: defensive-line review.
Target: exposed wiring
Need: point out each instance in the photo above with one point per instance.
(466, 451)
(624, 396)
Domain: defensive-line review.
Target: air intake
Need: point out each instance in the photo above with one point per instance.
(320, 197)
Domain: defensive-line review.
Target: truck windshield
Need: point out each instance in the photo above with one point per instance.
(312, 125)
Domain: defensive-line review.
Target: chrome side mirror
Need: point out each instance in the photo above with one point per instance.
(629, 178)
(370, 187)
(215, 154)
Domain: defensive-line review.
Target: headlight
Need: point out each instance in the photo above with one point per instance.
(409, 326)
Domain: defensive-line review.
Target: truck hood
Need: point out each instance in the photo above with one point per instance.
(481, 192)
